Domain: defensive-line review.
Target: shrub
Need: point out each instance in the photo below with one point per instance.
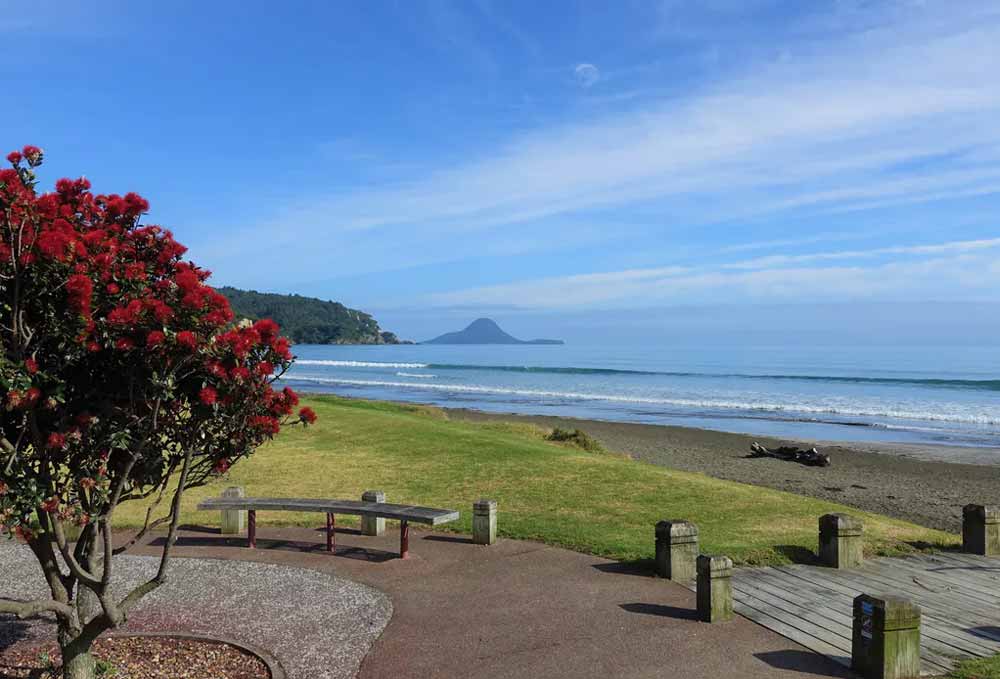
(575, 437)
(123, 379)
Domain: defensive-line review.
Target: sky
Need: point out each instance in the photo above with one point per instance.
(576, 169)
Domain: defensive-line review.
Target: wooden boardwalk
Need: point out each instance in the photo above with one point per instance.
(959, 595)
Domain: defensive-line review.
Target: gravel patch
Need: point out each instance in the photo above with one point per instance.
(318, 626)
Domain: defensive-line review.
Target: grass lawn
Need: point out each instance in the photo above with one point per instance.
(983, 668)
(597, 502)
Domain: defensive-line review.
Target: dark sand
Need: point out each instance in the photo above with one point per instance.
(907, 482)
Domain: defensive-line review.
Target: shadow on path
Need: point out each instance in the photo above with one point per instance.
(661, 611)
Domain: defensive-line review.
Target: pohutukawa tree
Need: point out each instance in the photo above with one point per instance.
(125, 379)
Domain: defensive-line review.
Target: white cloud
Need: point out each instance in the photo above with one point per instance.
(970, 272)
(586, 74)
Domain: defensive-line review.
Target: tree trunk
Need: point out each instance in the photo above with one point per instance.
(78, 663)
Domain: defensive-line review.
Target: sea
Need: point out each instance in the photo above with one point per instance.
(920, 395)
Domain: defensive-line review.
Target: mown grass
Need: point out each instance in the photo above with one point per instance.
(981, 668)
(588, 500)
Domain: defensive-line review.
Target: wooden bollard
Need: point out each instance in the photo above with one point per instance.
(841, 541)
(676, 550)
(371, 525)
(886, 639)
(484, 522)
(981, 530)
(233, 520)
(715, 588)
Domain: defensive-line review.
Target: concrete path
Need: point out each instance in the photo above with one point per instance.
(522, 609)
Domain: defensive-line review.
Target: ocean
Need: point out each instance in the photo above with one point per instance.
(923, 395)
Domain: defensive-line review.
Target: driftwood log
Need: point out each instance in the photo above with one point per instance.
(811, 457)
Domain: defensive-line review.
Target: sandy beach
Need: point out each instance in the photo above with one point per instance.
(905, 481)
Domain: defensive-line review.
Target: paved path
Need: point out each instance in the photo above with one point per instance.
(957, 594)
(522, 609)
(318, 625)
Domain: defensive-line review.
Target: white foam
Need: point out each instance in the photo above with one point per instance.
(358, 364)
(426, 376)
(977, 419)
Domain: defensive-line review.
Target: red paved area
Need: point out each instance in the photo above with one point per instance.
(522, 609)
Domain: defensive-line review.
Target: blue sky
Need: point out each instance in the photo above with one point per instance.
(555, 165)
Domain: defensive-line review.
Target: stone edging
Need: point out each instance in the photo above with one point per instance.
(272, 663)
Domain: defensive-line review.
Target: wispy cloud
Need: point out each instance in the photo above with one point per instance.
(969, 271)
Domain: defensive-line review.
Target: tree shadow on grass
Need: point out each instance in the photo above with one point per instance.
(661, 610)
(643, 567)
(806, 662)
(797, 554)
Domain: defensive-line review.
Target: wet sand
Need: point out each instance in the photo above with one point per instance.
(905, 481)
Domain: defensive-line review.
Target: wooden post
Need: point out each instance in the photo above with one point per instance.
(841, 541)
(981, 530)
(484, 522)
(331, 532)
(372, 525)
(715, 589)
(886, 640)
(233, 520)
(676, 550)
(252, 529)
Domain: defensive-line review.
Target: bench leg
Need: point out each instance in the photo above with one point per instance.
(331, 533)
(404, 540)
(252, 528)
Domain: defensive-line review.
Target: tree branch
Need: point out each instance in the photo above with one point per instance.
(29, 609)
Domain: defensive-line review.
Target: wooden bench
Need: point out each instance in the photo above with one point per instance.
(402, 513)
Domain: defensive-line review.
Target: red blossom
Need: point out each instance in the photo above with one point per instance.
(14, 157)
(208, 396)
(307, 415)
(124, 344)
(31, 365)
(221, 467)
(3, 488)
(56, 441)
(155, 339)
(87, 482)
(50, 506)
(186, 338)
(79, 290)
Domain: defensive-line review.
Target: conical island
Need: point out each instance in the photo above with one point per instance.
(484, 331)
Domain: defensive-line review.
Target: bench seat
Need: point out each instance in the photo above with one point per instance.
(402, 513)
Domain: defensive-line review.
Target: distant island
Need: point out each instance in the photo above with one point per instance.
(484, 331)
(307, 320)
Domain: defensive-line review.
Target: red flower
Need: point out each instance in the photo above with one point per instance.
(208, 396)
(155, 338)
(221, 467)
(33, 154)
(307, 415)
(112, 289)
(50, 506)
(14, 157)
(31, 365)
(24, 533)
(56, 441)
(32, 396)
(240, 374)
(267, 328)
(79, 290)
(267, 425)
(187, 339)
(3, 488)
(264, 369)
(124, 344)
(87, 482)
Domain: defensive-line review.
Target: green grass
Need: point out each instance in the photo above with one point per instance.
(588, 500)
(981, 668)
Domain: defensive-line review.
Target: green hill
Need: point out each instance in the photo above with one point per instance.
(307, 320)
